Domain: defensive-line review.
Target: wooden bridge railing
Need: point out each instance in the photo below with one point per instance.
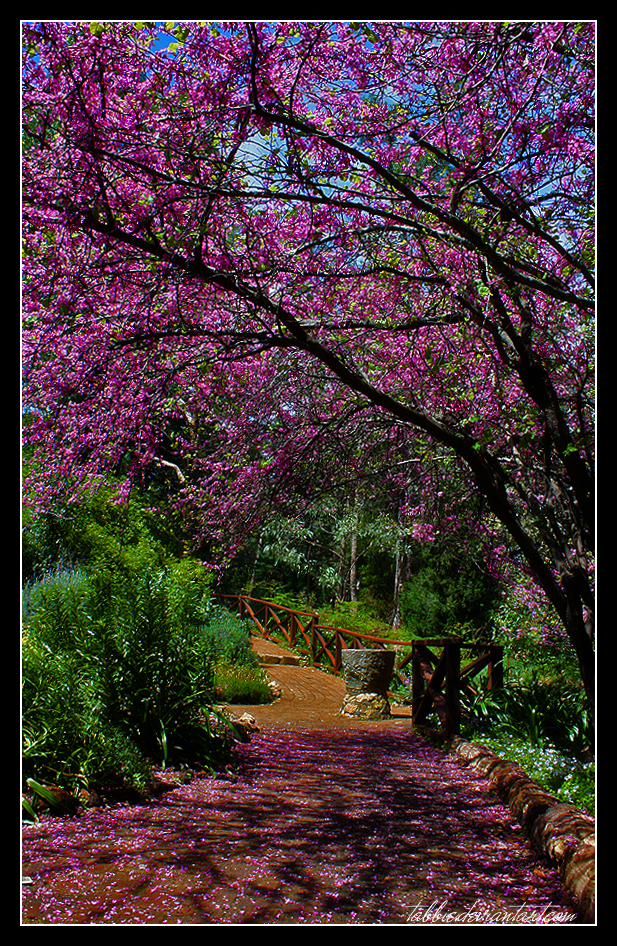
(436, 678)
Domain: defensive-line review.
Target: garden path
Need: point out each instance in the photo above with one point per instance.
(311, 699)
(328, 821)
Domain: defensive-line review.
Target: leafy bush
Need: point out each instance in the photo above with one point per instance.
(542, 723)
(118, 673)
(545, 712)
(238, 676)
(355, 616)
(230, 638)
(275, 591)
(448, 590)
(97, 532)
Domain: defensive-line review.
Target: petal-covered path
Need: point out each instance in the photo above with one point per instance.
(363, 823)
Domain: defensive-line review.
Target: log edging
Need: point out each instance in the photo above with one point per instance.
(564, 833)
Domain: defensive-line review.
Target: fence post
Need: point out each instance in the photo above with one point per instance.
(417, 680)
(313, 640)
(495, 667)
(453, 687)
(337, 651)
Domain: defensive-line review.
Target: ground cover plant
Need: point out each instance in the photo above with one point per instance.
(241, 683)
(237, 675)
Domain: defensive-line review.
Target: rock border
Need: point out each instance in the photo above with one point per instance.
(564, 833)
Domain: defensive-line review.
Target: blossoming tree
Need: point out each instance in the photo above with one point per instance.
(241, 240)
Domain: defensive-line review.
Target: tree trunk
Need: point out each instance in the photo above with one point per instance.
(254, 571)
(343, 570)
(398, 583)
(578, 633)
(400, 568)
(353, 566)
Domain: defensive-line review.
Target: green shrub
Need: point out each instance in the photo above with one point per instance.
(97, 532)
(447, 589)
(155, 672)
(118, 673)
(542, 723)
(546, 713)
(229, 637)
(275, 591)
(355, 616)
(113, 757)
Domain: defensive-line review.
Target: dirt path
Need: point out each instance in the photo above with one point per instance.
(311, 698)
(329, 821)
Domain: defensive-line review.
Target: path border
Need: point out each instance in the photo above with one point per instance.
(564, 833)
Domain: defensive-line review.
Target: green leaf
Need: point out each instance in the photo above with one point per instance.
(163, 740)
(47, 796)
(29, 810)
(182, 33)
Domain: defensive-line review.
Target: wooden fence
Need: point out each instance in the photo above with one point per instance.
(429, 669)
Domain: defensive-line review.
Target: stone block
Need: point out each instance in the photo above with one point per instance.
(368, 670)
(365, 706)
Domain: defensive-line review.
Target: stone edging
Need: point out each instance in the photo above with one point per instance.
(561, 831)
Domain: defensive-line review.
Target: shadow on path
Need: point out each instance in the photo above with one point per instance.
(319, 827)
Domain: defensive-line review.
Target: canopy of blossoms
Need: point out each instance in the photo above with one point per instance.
(250, 246)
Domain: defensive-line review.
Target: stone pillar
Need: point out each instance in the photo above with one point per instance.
(367, 676)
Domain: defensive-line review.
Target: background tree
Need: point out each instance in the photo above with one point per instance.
(284, 227)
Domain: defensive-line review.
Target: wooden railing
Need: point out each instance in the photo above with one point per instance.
(436, 679)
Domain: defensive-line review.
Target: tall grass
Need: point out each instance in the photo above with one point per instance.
(241, 683)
